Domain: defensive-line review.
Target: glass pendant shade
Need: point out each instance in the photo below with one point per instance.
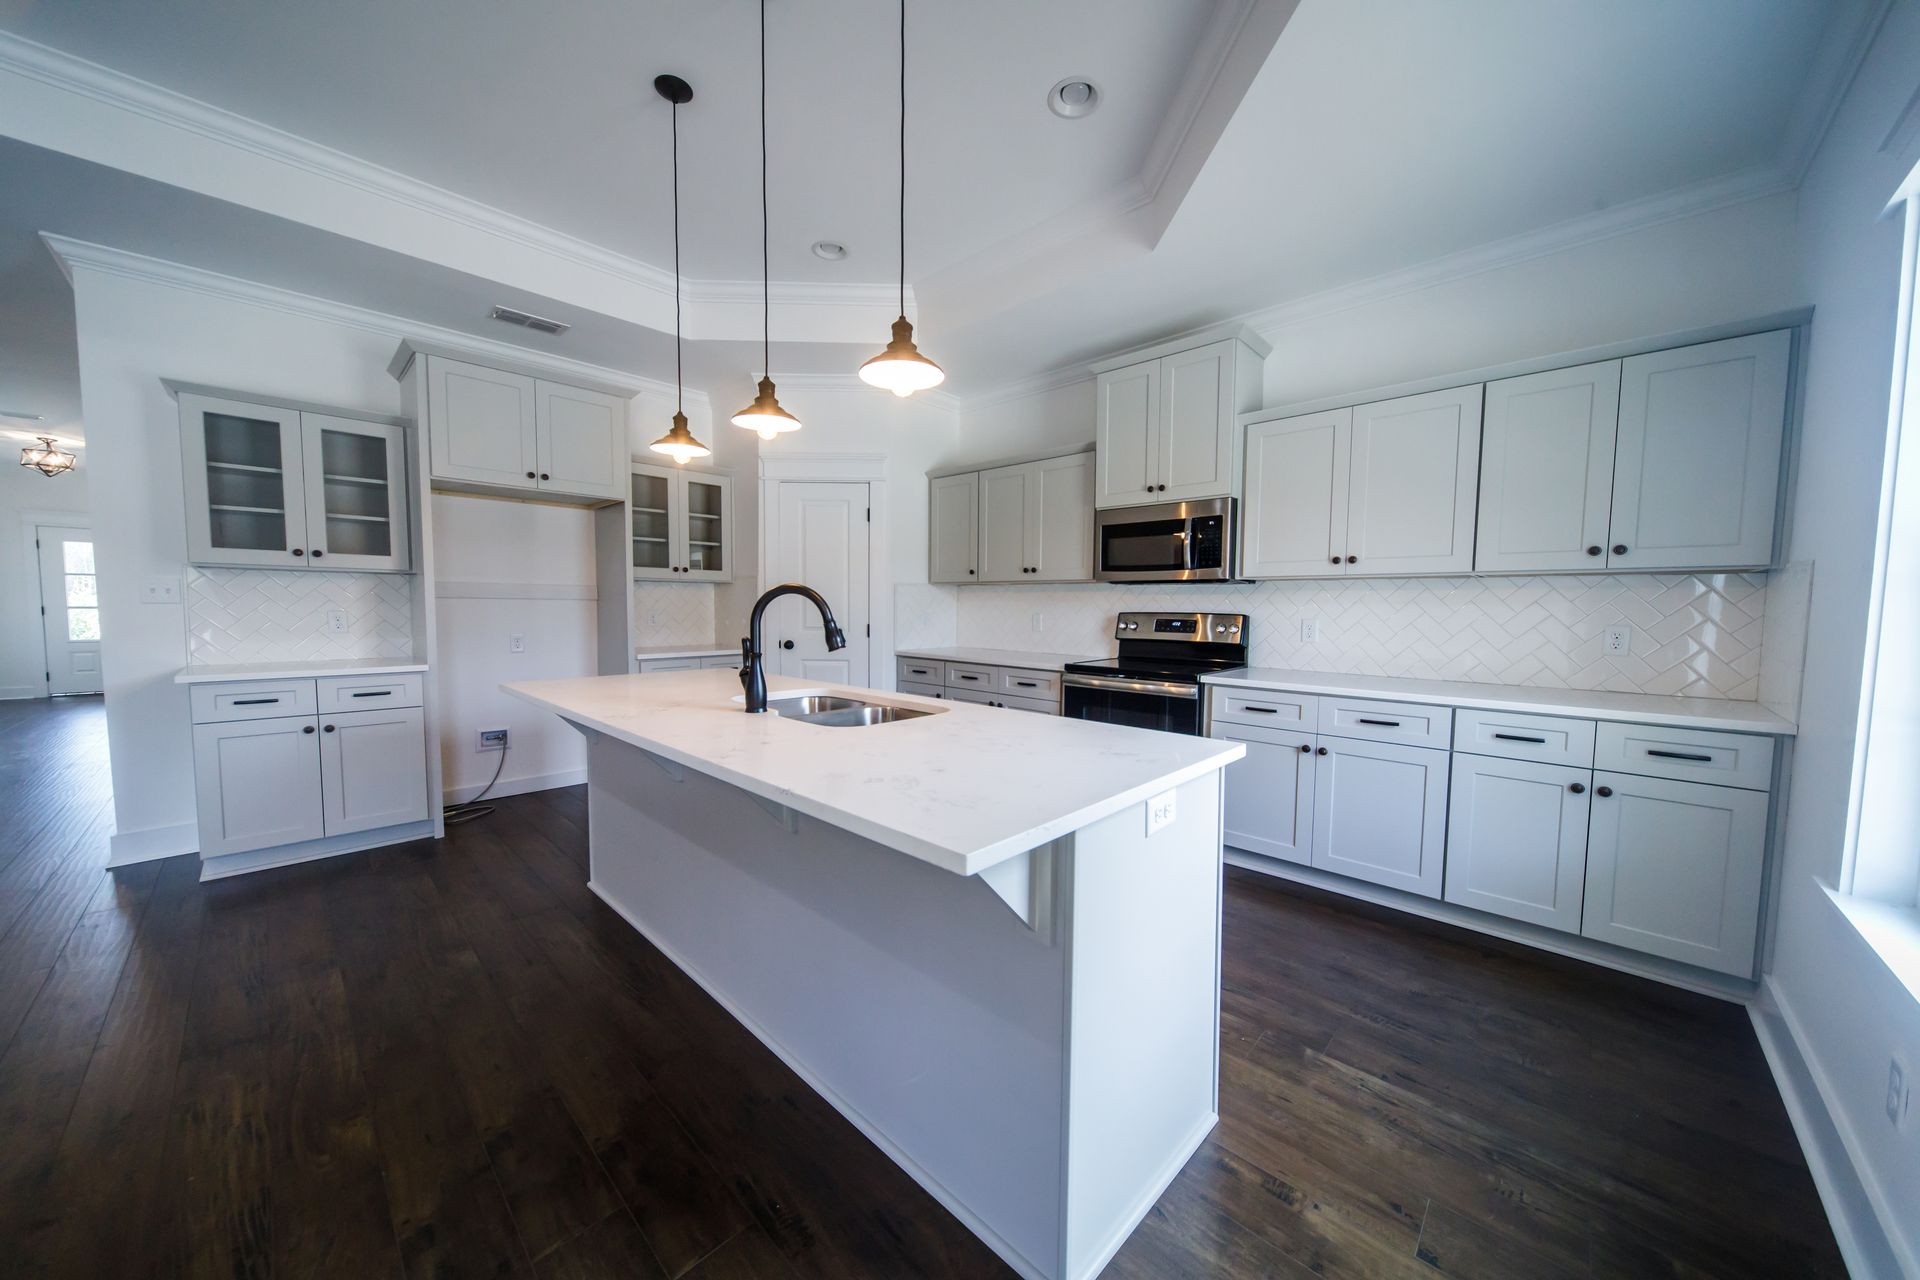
(679, 443)
(47, 458)
(901, 368)
(765, 414)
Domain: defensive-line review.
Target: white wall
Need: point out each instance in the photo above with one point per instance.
(25, 496)
(1850, 1013)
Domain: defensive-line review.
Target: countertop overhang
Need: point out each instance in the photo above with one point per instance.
(216, 672)
(963, 789)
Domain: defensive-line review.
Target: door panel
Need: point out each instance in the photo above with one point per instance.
(1698, 462)
(581, 440)
(69, 609)
(708, 503)
(356, 494)
(824, 542)
(481, 424)
(1196, 423)
(1004, 540)
(373, 769)
(1060, 519)
(1127, 431)
(257, 783)
(1380, 813)
(1546, 470)
(245, 487)
(1295, 514)
(1415, 471)
(658, 523)
(1517, 839)
(1269, 796)
(953, 528)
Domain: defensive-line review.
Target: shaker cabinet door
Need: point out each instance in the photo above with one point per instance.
(1517, 839)
(1060, 519)
(1546, 470)
(356, 502)
(246, 489)
(1294, 517)
(1195, 449)
(257, 783)
(1414, 475)
(373, 769)
(953, 528)
(1004, 540)
(1269, 793)
(1380, 813)
(581, 441)
(480, 425)
(1127, 435)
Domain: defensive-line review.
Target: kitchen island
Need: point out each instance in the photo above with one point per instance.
(990, 940)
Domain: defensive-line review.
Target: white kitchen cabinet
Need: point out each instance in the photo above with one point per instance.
(953, 528)
(1674, 869)
(270, 486)
(1380, 813)
(257, 783)
(1294, 519)
(373, 770)
(1697, 463)
(1414, 474)
(1005, 493)
(1165, 419)
(1036, 521)
(496, 429)
(682, 523)
(1546, 470)
(580, 440)
(1270, 792)
(1517, 839)
(727, 662)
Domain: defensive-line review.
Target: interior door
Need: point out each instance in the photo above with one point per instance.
(1415, 471)
(953, 528)
(481, 425)
(69, 609)
(356, 494)
(824, 542)
(1294, 519)
(1005, 540)
(1196, 423)
(581, 440)
(1546, 470)
(1697, 468)
(1060, 519)
(245, 489)
(1127, 428)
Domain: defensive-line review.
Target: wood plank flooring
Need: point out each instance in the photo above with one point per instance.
(449, 1059)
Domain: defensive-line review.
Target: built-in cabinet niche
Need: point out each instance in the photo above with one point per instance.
(1022, 522)
(274, 485)
(1166, 418)
(682, 524)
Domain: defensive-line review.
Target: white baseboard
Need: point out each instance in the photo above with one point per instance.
(125, 848)
(1855, 1209)
(518, 786)
(287, 855)
(15, 692)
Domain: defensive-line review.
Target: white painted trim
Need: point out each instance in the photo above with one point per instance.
(841, 468)
(913, 1169)
(1124, 1226)
(287, 855)
(1836, 62)
(124, 848)
(1204, 336)
(518, 786)
(458, 590)
(1864, 1223)
(868, 469)
(17, 692)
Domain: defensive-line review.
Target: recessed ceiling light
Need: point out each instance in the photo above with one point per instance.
(831, 250)
(1073, 97)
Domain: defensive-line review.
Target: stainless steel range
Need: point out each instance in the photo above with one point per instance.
(1153, 682)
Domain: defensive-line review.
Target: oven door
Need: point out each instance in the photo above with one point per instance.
(1169, 706)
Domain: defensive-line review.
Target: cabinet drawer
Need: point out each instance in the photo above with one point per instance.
(1547, 739)
(1038, 705)
(1018, 682)
(1686, 755)
(1409, 723)
(727, 663)
(1299, 711)
(922, 690)
(981, 696)
(981, 679)
(922, 671)
(369, 693)
(253, 700)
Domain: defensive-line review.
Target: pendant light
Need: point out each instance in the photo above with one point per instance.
(48, 458)
(765, 414)
(678, 443)
(901, 368)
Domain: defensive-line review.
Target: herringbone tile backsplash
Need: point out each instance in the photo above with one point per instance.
(1696, 635)
(673, 613)
(256, 615)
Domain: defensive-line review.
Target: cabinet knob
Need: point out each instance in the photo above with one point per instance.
(1603, 792)
(1306, 748)
(329, 728)
(1163, 488)
(1149, 488)
(297, 551)
(1619, 548)
(970, 573)
(1335, 560)
(306, 729)
(1353, 559)
(786, 644)
(1593, 551)
(1578, 788)
(1320, 751)
(317, 553)
(530, 475)
(545, 476)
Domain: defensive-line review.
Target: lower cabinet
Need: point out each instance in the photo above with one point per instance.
(257, 783)
(1380, 813)
(1675, 869)
(1269, 793)
(1517, 839)
(372, 773)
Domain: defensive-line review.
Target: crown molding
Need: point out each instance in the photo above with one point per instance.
(1842, 51)
(80, 255)
(1037, 385)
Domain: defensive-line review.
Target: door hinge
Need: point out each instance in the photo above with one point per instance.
(869, 515)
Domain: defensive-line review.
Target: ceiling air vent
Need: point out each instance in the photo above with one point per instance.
(539, 324)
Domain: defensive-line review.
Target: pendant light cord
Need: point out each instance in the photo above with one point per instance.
(903, 157)
(679, 381)
(766, 268)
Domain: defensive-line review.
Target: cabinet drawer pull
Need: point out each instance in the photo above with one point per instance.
(1265, 711)
(1027, 684)
(1385, 724)
(375, 693)
(1680, 755)
(1519, 737)
(966, 677)
(254, 702)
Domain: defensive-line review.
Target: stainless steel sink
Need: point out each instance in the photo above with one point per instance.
(840, 713)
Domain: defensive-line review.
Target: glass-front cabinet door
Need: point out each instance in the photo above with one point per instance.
(654, 552)
(356, 494)
(245, 490)
(682, 524)
(708, 502)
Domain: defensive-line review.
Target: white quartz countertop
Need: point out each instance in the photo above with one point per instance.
(1640, 708)
(1001, 657)
(685, 651)
(214, 672)
(963, 789)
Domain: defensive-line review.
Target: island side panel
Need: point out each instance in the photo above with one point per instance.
(1142, 930)
(911, 998)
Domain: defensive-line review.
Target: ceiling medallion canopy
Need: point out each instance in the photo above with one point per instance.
(901, 368)
(765, 415)
(678, 443)
(47, 458)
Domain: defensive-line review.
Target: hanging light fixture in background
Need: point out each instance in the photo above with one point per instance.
(765, 414)
(47, 457)
(901, 368)
(678, 443)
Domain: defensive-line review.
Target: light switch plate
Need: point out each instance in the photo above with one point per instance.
(1160, 812)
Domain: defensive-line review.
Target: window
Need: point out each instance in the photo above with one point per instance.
(82, 592)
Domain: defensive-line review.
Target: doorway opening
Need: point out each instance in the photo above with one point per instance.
(69, 609)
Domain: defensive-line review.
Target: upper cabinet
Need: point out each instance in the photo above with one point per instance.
(1165, 426)
(1546, 470)
(682, 524)
(493, 429)
(953, 528)
(1383, 488)
(272, 486)
(1028, 522)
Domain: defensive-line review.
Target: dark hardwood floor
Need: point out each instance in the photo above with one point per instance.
(450, 1059)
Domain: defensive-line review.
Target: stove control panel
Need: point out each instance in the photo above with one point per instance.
(1200, 628)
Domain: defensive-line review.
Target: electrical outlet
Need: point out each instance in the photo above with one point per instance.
(1619, 639)
(1039, 621)
(492, 740)
(1160, 811)
(160, 591)
(1897, 1097)
(1309, 631)
(337, 621)
(653, 617)
(516, 644)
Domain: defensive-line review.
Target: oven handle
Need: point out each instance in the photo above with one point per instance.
(1167, 688)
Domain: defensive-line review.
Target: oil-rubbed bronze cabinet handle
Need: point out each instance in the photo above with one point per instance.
(1603, 792)
(1578, 788)
(1322, 751)
(1679, 755)
(1306, 748)
(1385, 724)
(1593, 551)
(1519, 737)
(1619, 548)
(1353, 559)
(306, 729)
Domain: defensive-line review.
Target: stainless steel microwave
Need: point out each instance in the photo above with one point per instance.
(1165, 542)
